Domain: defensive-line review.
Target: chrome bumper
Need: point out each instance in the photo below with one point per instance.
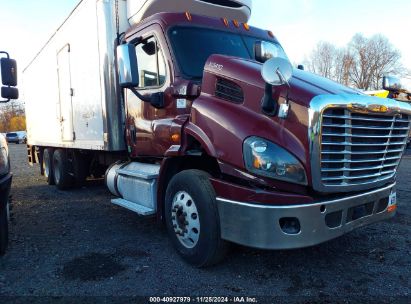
(259, 225)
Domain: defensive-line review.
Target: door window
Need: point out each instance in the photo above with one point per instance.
(151, 64)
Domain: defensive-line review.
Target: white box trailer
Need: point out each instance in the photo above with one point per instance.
(70, 87)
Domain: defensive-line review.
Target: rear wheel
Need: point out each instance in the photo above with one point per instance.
(4, 228)
(62, 177)
(192, 218)
(47, 164)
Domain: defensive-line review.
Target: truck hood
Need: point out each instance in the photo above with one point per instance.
(304, 85)
(229, 110)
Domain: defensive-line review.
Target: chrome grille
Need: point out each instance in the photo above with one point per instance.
(359, 148)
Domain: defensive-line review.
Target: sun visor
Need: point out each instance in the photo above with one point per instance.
(240, 10)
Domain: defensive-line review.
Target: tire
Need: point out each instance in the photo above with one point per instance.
(190, 207)
(62, 178)
(47, 164)
(4, 228)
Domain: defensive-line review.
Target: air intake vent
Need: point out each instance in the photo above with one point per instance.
(228, 90)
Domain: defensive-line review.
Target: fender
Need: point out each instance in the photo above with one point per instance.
(201, 137)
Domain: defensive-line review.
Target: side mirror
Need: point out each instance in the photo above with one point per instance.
(8, 72)
(391, 83)
(264, 51)
(301, 67)
(9, 93)
(127, 66)
(277, 71)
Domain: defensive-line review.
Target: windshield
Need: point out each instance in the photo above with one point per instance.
(193, 46)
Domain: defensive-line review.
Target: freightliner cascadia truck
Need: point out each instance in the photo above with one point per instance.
(198, 118)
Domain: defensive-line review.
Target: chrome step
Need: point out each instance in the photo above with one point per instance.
(139, 209)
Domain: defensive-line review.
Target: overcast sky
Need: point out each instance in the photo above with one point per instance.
(25, 25)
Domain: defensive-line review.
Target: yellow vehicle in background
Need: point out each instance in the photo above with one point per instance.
(378, 93)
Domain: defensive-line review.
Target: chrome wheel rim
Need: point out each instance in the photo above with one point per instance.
(185, 219)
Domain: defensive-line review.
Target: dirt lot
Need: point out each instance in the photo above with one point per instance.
(77, 244)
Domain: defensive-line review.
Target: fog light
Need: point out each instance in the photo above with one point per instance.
(290, 225)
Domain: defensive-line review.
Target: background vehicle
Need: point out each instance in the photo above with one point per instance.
(202, 122)
(5, 185)
(8, 69)
(399, 89)
(18, 137)
(378, 93)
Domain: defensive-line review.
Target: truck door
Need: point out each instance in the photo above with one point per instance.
(65, 94)
(148, 127)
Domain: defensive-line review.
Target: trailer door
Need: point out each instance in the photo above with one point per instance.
(65, 94)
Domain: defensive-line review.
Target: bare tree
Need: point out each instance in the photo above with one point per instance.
(322, 59)
(343, 64)
(373, 58)
(361, 64)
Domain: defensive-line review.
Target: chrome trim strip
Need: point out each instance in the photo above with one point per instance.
(318, 204)
(358, 104)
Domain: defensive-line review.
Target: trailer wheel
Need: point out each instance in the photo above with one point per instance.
(192, 218)
(47, 164)
(4, 228)
(62, 177)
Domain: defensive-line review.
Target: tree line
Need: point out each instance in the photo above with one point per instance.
(362, 63)
(12, 117)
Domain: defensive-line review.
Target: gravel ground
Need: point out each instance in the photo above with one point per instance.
(77, 244)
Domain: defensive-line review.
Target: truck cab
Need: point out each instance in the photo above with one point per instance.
(290, 161)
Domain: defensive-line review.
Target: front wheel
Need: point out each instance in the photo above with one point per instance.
(192, 218)
(4, 228)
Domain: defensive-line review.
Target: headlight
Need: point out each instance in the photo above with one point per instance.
(4, 162)
(265, 158)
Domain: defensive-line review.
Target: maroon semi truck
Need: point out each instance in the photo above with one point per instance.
(206, 125)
